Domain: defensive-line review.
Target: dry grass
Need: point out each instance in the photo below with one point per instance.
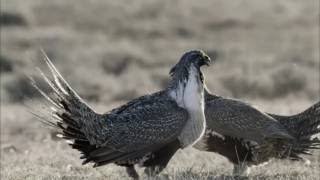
(113, 51)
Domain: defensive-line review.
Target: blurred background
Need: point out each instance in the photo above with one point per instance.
(267, 54)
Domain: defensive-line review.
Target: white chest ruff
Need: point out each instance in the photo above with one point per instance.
(190, 97)
(193, 130)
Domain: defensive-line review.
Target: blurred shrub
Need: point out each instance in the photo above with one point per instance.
(19, 88)
(287, 80)
(240, 86)
(89, 91)
(5, 64)
(116, 66)
(126, 95)
(279, 83)
(118, 63)
(161, 81)
(228, 24)
(11, 19)
(183, 32)
(88, 86)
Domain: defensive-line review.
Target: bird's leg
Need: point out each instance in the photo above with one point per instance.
(152, 171)
(241, 169)
(160, 159)
(132, 172)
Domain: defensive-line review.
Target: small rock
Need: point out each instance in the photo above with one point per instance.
(68, 168)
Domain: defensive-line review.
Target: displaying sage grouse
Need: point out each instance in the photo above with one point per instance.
(247, 136)
(137, 132)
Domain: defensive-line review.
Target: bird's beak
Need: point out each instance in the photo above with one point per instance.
(207, 60)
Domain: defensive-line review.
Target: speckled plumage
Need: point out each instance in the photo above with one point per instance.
(246, 135)
(135, 132)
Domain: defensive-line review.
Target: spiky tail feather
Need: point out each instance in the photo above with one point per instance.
(305, 127)
(69, 114)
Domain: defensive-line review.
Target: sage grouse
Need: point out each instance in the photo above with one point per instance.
(136, 132)
(247, 136)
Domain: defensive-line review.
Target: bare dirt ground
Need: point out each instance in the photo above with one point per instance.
(112, 51)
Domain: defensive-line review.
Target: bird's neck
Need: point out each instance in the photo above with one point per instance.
(189, 95)
(188, 92)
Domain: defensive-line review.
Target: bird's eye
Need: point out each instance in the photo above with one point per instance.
(200, 61)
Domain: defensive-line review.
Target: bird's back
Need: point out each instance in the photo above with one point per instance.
(238, 119)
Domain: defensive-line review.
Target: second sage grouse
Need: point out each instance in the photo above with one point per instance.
(131, 134)
(247, 136)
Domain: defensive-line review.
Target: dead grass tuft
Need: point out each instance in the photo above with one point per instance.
(19, 88)
(12, 19)
(6, 64)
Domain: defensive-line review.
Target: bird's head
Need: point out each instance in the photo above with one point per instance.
(190, 61)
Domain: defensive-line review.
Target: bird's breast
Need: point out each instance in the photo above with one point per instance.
(193, 102)
(189, 96)
(193, 130)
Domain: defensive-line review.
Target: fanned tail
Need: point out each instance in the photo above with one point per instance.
(305, 127)
(69, 114)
